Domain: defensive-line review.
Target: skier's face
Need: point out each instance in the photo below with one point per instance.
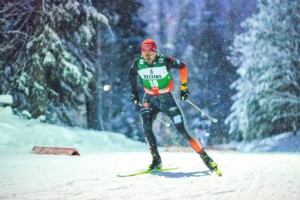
(149, 56)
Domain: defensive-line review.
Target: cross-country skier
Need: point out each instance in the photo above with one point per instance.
(154, 71)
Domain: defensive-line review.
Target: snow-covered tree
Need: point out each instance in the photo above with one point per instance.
(186, 29)
(214, 72)
(44, 48)
(198, 33)
(162, 20)
(118, 53)
(268, 91)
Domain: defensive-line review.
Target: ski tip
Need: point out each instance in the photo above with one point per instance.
(218, 172)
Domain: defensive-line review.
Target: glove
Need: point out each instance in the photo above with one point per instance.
(134, 97)
(184, 94)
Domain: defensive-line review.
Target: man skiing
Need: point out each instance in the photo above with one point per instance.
(154, 72)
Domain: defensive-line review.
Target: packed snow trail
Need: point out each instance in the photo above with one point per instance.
(93, 176)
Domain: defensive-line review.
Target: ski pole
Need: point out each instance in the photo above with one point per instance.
(165, 123)
(162, 121)
(202, 112)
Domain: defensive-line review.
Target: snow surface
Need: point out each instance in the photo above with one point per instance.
(104, 155)
(6, 99)
(285, 142)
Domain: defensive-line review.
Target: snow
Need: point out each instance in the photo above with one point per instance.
(285, 142)
(49, 58)
(6, 99)
(70, 67)
(19, 136)
(104, 155)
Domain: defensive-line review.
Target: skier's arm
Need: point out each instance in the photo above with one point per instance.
(183, 77)
(174, 63)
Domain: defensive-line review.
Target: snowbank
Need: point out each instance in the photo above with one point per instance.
(6, 99)
(285, 142)
(18, 135)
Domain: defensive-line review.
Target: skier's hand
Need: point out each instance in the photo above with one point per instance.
(184, 92)
(134, 98)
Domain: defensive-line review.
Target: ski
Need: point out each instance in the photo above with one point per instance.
(147, 172)
(215, 169)
(218, 172)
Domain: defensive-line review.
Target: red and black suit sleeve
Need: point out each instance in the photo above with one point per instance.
(174, 63)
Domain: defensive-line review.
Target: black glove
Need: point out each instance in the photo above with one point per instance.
(184, 94)
(134, 97)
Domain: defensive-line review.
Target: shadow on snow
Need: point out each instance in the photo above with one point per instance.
(182, 174)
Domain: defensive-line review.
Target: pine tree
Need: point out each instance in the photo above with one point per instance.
(216, 73)
(268, 90)
(198, 33)
(43, 55)
(119, 51)
(186, 37)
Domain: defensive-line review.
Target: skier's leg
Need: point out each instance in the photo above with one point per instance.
(148, 114)
(173, 110)
(178, 119)
(170, 107)
(180, 123)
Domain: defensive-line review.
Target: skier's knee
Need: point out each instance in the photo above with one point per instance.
(180, 126)
(146, 115)
(177, 119)
(147, 120)
(176, 115)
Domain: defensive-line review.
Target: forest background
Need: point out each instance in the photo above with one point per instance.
(66, 62)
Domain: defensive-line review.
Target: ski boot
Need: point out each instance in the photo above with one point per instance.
(156, 162)
(208, 161)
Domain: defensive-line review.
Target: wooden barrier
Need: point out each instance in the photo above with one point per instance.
(55, 151)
